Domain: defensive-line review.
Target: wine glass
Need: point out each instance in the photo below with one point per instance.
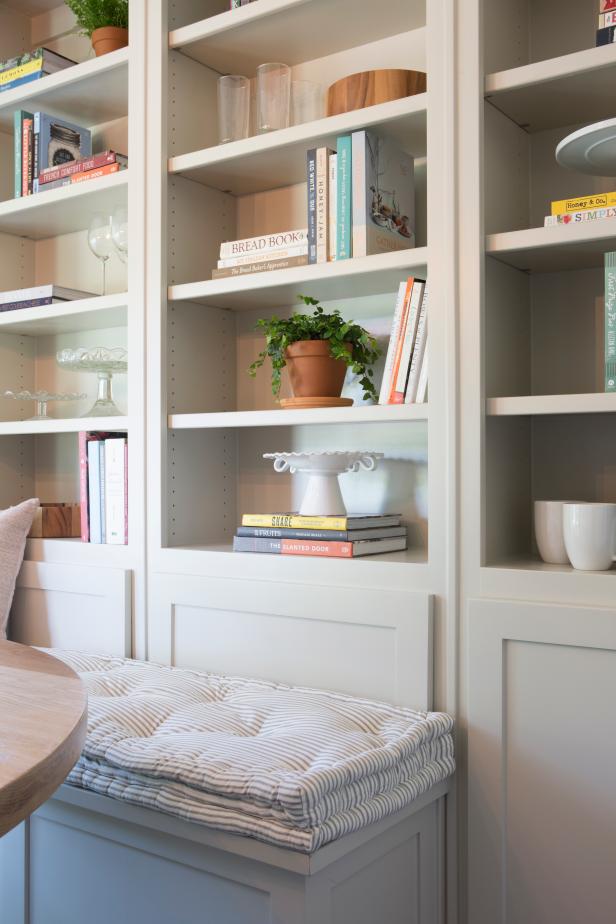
(119, 232)
(100, 240)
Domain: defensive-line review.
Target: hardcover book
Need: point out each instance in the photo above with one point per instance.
(383, 196)
(19, 118)
(60, 141)
(57, 293)
(94, 491)
(262, 266)
(408, 345)
(343, 196)
(391, 371)
(418, 351)
(610, 322)
(263, 243)
(583, 203)
(300, 251)
(337, 535)
(115, 487)
(333, 204)
(311, 204)
(606, 5)
(295, 521)
(322, 204)
(574, 218)
(606, 36)
(319, 549)
(51, 174)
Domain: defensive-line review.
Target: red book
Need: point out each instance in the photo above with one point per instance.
(51, 174)
(94, 174)
(26, 168)
(322, 549)
(606, 6)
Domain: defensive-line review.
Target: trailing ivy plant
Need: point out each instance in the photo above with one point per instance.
(341, 334)
(95, 14)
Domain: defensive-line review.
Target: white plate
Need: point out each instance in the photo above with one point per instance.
(590, 150)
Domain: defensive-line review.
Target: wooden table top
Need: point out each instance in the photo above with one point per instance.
(43, 723)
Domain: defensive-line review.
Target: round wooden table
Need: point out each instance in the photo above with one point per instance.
(43, 723)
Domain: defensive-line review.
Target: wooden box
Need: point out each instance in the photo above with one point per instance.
(56, 521)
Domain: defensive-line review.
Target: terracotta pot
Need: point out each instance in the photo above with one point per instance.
(313, 372)
(108, 38)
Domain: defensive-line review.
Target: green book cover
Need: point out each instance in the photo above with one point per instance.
(344, 191)
(610, 322)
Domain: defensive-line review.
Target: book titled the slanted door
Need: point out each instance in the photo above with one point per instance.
(383, 196)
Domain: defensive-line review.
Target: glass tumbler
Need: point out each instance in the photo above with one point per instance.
(273, 97)
(306, 102)
(233, 108)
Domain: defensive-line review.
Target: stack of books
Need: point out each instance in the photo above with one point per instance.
(606, 33)
(405, 379)
(328, 537)
(262, 254)
(39, 295)
(361, 198)
(31, 66)
(103, 487)
(582, 208)
(80, 170)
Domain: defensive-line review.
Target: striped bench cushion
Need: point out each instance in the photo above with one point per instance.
(291, 766)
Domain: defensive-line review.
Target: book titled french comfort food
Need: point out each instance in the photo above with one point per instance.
(295, 521)
(383, 195)
(323, 549)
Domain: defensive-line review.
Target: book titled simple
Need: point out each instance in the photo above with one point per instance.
(295, 521)
(318, 548)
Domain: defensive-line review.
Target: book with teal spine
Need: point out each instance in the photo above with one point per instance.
(343, 195)
(610, 321)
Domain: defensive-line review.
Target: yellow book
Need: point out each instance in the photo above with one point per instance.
(23, 70)
(295, 521)
(583, 203)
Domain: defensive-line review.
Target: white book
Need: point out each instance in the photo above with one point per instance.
(115, 487)
(333, 204)
(409, 341)
(422, 388)
(418, 352)
(265, 257)
(393, 342)
(263, 243)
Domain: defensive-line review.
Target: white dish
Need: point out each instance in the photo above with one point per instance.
(591, 149)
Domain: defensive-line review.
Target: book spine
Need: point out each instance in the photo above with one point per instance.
(27, 303)
(605, 36)
(49, 174)
(94, 174)
(333, 204)
(583, 203)
(114, 491)
(13, 74)
(607, 19)
(574, 218)
(418, 352)
(265, 266)
(422, 388)
(94, 491)
(26, 128)
(260, 532)
(409, 342)
(606, 5)
(360, 218)
(400, 338)
(31, 156)
(83, 485)
(293, 547)
(35, 160)
(391, 349)
(126, 492)
(102, 486)
(343, 236)
(610, 322)
(17, 136)
(300, 251)
(263, 244)
(311, 161)
(322, 204)
(293, 521)
(247, 544)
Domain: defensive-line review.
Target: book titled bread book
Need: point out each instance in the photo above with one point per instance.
(300, 251)
(263, 243)
(295, 521)
(319, 548)
(383, 195)
(610, 322)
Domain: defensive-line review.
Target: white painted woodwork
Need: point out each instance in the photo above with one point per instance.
(287, 418)
(62, 425)
(100, 313)
(552, 404)
(558, 248)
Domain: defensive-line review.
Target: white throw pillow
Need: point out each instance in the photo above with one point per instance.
(15, 525)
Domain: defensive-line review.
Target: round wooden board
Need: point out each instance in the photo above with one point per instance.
(43, 722)
(315, 402)
(369, 88)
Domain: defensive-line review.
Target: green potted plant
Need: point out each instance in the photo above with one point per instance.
(105, 22)
(317, 349)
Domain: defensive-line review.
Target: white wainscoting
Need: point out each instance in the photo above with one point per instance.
(71, 606)
(542, 753)
(377, 643)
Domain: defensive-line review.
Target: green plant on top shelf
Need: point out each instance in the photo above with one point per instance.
(349, 343)
(93, 15)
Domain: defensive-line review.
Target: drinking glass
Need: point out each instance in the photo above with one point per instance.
(119, 232)
(273, 97)
(233, 108)
(100, 240)
(306, 102)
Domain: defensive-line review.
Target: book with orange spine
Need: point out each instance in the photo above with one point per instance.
(401, 338)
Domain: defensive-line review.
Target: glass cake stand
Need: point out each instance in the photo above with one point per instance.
(42, 398)
(323, 496)
(104, 362)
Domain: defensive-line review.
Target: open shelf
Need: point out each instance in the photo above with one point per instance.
(536, 565)
(391, 413)
(67, 317)
(279, 158)
(551, 404)
(59, 425)
(562, 247)
(89, 93)
(74, 551)
(243, 38)
(61, 211)
(374, 275)
(560, 91)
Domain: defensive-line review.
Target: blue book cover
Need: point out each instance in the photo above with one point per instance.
(344, 192)
(103, 506)
(312, 205)
(60, 141)
(94, 491)
(27, 78)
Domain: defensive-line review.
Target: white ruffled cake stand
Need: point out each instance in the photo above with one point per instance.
(323, 496)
